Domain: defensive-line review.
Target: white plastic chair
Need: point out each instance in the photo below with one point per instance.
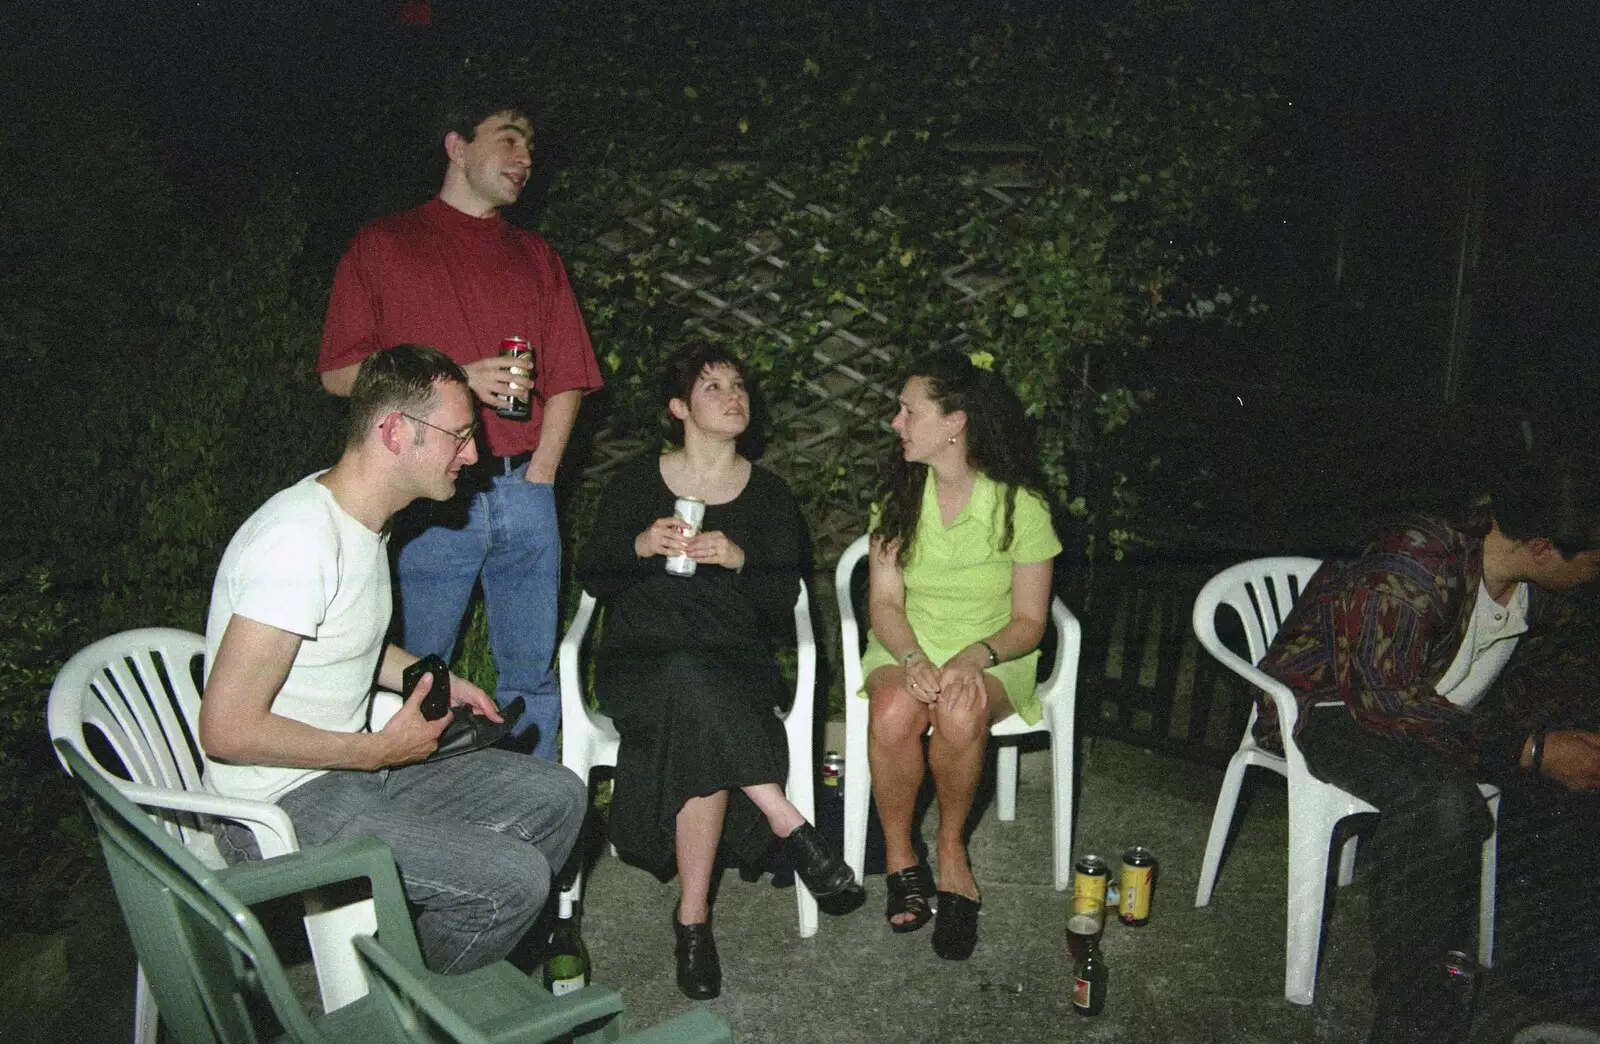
(589, 739)
(1057, 694)
(136, 690)
(1261, 592)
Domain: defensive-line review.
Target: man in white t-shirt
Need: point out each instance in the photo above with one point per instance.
(295, 642)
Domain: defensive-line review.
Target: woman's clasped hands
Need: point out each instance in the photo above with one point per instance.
(956, 684)
(672, 536)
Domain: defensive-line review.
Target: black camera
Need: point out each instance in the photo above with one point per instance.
(436, 704)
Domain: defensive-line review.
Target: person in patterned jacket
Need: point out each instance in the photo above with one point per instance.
(1439, 656)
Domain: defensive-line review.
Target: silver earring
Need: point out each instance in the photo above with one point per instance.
(952, 440)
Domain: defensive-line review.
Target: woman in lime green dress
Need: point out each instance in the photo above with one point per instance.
(959, 596)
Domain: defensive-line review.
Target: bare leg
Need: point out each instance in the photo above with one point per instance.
(781, 814)
(955, 754)
(894, 751)
(699, 827)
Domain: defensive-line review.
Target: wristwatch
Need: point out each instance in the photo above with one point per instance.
(994, 657)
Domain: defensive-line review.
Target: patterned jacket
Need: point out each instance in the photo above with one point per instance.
(1378, 632)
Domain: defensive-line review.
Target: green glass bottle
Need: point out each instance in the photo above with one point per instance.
(566, 970)
(1089, 986)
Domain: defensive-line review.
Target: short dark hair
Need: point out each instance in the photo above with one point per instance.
(677, 382)
(402, 379)
(1550, 498)
(469, 107)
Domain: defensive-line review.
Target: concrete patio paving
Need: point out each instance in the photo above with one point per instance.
(1191, 976)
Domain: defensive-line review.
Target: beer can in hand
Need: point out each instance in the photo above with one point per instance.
(518, 409)
(1138, 880)
(691, 511)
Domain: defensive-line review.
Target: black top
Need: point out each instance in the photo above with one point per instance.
(650, 611)
(684, 665)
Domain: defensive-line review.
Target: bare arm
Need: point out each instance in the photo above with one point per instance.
(555, 428)
(339, 382)
(1030, 606)
(1571, 758)
(237, 723)
(886, 606)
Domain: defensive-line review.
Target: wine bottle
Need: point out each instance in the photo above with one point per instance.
(566, 970)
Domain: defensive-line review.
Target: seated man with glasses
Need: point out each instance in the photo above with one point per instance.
(294, 641)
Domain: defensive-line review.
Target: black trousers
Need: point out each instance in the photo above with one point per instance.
(1425, 858)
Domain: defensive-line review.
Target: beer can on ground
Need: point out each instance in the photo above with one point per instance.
(1086, 918)
(833, 769)
(1138, 880)
(515, 408)
(691, 511)
(1089, 876)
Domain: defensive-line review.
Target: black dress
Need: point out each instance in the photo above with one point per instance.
(685, 665)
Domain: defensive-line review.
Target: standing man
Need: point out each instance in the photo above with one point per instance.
(294, 640)
(1439, 657)
(453, 273)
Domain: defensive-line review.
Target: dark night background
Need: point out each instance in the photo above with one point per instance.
(1426, 249)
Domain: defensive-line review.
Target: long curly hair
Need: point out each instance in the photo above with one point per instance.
(1000, 443)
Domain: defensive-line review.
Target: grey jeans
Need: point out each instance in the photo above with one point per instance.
(477, 839)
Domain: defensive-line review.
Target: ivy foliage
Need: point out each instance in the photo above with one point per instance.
(861, 159)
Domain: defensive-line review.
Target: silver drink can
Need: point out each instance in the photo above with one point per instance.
(691, 511)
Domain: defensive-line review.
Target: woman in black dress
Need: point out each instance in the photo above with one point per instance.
(685, 665)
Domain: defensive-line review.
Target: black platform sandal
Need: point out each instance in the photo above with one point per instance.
(956, 931)
(910, 891)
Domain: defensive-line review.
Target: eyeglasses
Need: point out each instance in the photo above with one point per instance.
(462, 438)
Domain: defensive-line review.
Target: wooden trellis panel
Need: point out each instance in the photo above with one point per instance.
(835, 424)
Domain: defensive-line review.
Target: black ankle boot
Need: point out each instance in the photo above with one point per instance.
(823, 872)
(699, 970)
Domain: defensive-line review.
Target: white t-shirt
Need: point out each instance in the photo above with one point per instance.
(1490, 641)
(303, 565)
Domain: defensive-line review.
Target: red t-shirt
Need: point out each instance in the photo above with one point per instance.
(438, 277)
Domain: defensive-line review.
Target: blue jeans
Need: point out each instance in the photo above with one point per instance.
(477, 839)
(507, 534)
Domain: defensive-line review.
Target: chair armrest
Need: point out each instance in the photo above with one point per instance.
(549, 1017)
(385, 705)
(1282, 698)
(569, 667)
(1063, 680)
(323, 865)
(406, 993)
(273, 831)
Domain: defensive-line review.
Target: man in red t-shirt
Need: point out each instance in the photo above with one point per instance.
(455, 275)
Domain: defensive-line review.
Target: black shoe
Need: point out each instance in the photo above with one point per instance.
(955, 927)
(824, 873)
(699, 970)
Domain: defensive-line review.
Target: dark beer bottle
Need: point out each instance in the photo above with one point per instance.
(1089, 986)
(566, 970)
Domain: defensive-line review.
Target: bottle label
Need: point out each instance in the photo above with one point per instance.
(562, 987)
(1081, 991)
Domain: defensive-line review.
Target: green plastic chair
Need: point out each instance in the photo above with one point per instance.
(211, 966)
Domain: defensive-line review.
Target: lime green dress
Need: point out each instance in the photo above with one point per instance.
(958, 582)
